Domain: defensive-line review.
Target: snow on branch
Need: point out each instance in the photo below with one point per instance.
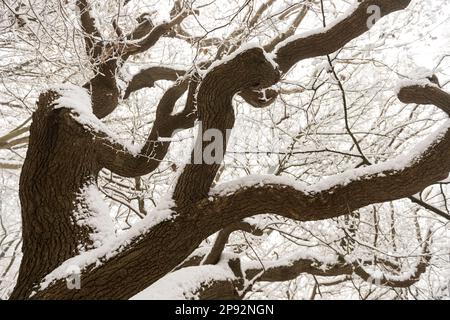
(93, 212)
(111, 246)
(245, 47)
(186, 283)
(198, 281)
(399, 163)
(356, 21)
(78, 100)
(141, 45)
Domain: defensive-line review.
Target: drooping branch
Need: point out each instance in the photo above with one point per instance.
(278, 272)
(292, 268)
(146, 78)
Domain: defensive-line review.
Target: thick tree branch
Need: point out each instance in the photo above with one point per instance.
(289, 49)
(293, 266)
(331, 39)
(214, 106)
(109, 57)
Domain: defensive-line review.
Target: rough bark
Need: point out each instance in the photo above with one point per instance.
(60, 161)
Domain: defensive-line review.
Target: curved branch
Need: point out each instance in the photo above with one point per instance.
(351, 190)
(331, 39)
(103, 86)
(248, 69)
(146, 78)
(278, 271)
(290, 268)
(118, 159)
(155, 34)
(289, 49)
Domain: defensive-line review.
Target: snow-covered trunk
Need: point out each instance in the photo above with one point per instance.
(60, 161)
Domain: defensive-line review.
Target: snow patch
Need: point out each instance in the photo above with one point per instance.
(323, 259)
(184, 283)
(93, 212)
(419, 82)
(254, 180)
(78, 100)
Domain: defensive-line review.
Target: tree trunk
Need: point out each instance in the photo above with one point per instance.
(60, 160)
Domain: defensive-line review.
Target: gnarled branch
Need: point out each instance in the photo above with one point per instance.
(117, 158)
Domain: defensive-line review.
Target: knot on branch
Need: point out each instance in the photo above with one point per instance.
(247, 70)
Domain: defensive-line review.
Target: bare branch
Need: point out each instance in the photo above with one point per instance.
(290, 31)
